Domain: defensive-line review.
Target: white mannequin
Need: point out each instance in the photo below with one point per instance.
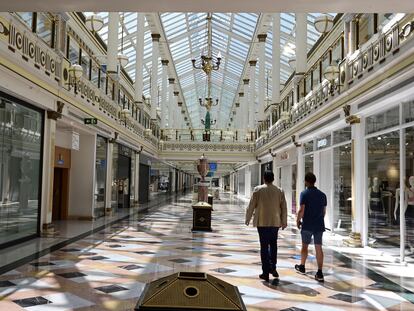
(409, 196)
(374, 188)
(409, 201)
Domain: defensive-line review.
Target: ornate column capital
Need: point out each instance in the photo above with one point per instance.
(262, 37)
(155, 37)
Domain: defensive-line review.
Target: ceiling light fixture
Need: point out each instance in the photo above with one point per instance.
(94, 23)
(323, 23)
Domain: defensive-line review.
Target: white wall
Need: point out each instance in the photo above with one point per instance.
(63, 139)
(82, 176)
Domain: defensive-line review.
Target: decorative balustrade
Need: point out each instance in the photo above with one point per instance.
(196, 146)
(351, 69)
(15, 38)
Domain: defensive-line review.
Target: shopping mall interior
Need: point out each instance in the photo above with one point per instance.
(180, 107)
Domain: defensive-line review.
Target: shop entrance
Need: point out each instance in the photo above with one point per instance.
(61, 184)
(123, 181)
(60, 193)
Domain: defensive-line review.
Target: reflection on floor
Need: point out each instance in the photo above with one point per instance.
(108, 270)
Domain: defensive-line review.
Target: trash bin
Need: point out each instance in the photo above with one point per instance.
(201, 217)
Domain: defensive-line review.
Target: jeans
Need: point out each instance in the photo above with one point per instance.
(268, 248)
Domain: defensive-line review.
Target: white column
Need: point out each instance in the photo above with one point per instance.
(171, 103)
(301, 49)
(275, 64)
(245, 107)
(113, 27)
(136, 181)
(139, 48)
(154, 74)
(48, 172)
(301, 42)
(252, 95)
(262, 78)
(359, 212)
(300, 182)
(164, 92)
(176, 111)
(108, 191)
(247, 181)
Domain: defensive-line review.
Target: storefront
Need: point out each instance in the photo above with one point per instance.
(285, 171)
(121, 176)
(100, 175)
(268, 166)
(21, 137)
(390, 148)
(329, 157)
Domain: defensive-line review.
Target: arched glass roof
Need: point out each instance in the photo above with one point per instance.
(186, 37)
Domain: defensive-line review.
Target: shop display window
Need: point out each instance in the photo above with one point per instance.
(309, 163)
(308, 147)
(308, 83)
(408, 191)
(383, 120)
(342, 135)
(342, 181)
(326, 61)
(337, 52)
(20, 169)
(323, 142)
(383, 181)
(408, 112)
(100, 175)
(95, 74)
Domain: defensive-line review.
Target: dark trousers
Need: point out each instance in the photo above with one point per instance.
(268, 247)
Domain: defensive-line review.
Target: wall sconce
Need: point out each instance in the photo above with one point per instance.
(332, 75)
(75, 73)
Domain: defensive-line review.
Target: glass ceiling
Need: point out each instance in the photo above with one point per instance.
(186, 37)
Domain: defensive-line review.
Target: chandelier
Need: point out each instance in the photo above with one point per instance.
(208, 65)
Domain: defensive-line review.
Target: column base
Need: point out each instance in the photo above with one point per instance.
(354, 240)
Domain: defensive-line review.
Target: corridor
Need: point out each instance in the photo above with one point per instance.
(108, 270)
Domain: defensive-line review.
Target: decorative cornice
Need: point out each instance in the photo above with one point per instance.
(155, 37)
(55, 115)
(262, 37)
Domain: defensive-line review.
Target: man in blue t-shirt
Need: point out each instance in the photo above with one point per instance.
(311, 220)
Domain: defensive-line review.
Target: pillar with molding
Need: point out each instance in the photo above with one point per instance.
(164, 93)
(154, 74)
(262, 77)
(139, 48)
(300, 51)
(275, 64)
(252, 95)
(171, 102)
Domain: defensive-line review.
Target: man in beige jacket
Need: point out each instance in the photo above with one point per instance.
(268, 205)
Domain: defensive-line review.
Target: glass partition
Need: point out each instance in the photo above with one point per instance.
(383, 181)
(21, 131)
(100, 175)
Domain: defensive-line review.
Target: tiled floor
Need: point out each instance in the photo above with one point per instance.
(109, 269)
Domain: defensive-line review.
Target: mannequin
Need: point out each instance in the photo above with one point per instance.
(374, 194)
(408, 203)
(409, 197)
